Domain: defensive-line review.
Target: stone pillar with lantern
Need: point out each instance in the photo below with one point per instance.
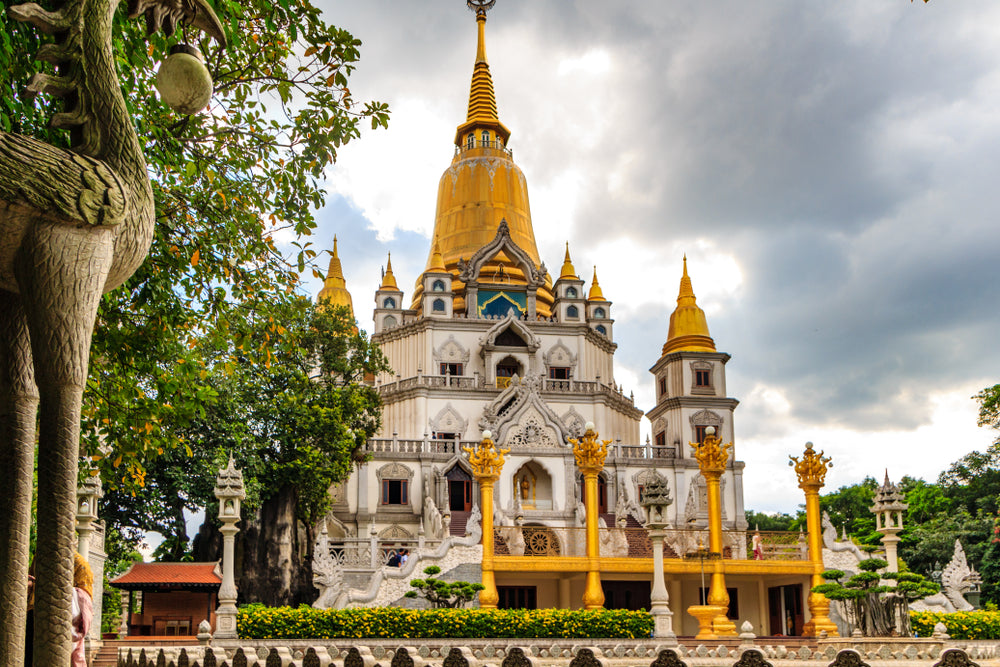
(712, 457)
(230, 491)
(656, 499)
(590, 454)
(487, 462)
(811, 471)
(89, 529)
(888, 510)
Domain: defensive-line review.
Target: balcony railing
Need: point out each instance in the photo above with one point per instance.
(541, 541)
(430, 445)
(465, 383)
(474, 144)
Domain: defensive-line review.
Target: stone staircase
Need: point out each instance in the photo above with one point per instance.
(107, 655)
(459, 521)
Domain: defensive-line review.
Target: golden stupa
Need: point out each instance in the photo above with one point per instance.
(688, 327)
(482, 187)
(335, 287)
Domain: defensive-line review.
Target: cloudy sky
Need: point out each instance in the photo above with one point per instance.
(831, 170)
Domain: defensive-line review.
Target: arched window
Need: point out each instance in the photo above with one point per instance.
(389, 303)
(438, 306)
(388, 322)
(573, 312)
(599, 313)
(470, 141)
(486, 138)
(499, 142)
(570, 292)
(438, 286)
(602, 330)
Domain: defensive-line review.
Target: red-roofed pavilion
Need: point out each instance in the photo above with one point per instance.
(173, 598)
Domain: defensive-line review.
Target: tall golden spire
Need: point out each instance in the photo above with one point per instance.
(388, 280)
(688, 326)
(481, 188)
(595, 289)
(482, 111)
(335, 286)
(568, 270)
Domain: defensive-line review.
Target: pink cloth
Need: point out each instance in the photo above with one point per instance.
(81, 626)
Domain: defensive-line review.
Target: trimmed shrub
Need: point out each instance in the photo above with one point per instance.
(960, 624)
(259, 622)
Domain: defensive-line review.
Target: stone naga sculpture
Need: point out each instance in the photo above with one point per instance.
(74, 224)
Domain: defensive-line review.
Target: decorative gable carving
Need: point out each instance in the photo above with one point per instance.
(449, 421)
(519, 413)
(394, 470)
(706, 418)
(451, 351)
(395, 532)
(469, 270)
(488, 341)
(560, 355)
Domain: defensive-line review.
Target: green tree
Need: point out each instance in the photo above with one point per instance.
(850, 507)
(227, 182)
(294, 424)
(774, 521)
(448, 594)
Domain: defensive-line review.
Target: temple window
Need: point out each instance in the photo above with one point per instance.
(444, 436)
(486, 138)
(438, 306)
(699, 433)
(570, 292)
(701, 375)
(470, 141)
(661, 439)
(389, 303)
(599, 313)
(438, 286)
(602, 330)
(573, 313)
(702, 379)
(395, 492)
(559, 373)
(663, 386)
(388, 322)
(451, 369)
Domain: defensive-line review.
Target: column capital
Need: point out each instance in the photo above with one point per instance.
(486, 459)
(811, 469)
(712, 455)
(589, 451)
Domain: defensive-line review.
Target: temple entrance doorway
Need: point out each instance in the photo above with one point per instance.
(785, 610)
(459, 490)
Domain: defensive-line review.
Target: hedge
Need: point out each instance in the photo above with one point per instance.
(260, 622)
(960, 624)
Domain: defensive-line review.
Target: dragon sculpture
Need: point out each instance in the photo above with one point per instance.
(957, 579)
(74, 224)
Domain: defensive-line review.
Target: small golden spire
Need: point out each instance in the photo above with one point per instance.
(389, 280)
(688, 326)
(568, 270)
(595, 289)
(335, 286)
(437, 261)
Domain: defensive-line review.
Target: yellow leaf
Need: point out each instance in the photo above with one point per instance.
(195, 257)
(117, 461)
(311, 50)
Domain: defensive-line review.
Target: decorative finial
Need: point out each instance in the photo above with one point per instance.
(812, 467)
(480, 7)
(334, 245)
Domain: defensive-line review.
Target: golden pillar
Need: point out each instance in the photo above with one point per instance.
(811, 471)
(712, 456)
(590, 454)
(487, 461)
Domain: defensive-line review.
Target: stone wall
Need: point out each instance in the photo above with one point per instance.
(570, 653)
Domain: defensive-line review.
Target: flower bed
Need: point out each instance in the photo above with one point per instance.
(960, 624)
(260, 622)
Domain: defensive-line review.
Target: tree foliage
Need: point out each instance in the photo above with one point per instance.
(236, 190)
(443, 594)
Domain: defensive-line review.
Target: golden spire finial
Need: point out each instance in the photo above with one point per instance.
(588, 450)
(335, 286)
(482, 99)
(437, 261)
(688, 326)
(486, 459)
(595, 289)
(568, 270)
(389, 280)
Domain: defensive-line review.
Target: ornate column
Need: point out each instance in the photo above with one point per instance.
(229, 490)
(888, 510)
(487, 462)
(656, 499)
(590, 454)
(712, 457)
(811, 471)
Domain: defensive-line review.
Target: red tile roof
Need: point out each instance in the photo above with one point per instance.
(172, 575)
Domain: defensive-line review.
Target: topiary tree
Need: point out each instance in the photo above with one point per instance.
(876, 608)
(443, 594)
